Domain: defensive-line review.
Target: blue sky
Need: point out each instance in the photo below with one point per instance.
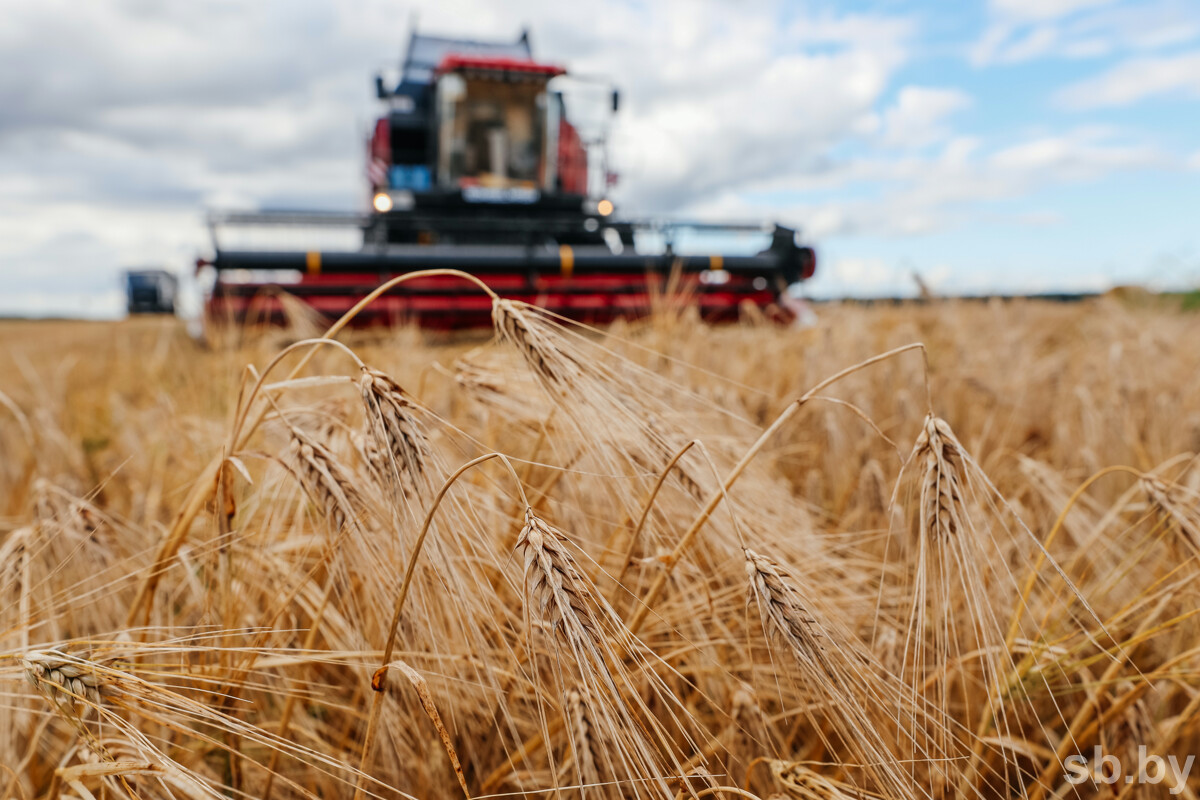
(1007, 145)
(1043, 145)
(1119, 85)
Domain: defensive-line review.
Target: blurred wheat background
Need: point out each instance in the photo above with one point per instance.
(927, 551)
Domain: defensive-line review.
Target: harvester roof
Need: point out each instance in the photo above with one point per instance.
(496, 65)
(426, 53)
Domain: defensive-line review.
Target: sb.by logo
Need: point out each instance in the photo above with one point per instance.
(1107, 768)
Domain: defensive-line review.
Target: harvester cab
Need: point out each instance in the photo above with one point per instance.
(480, 130)
(488, 161)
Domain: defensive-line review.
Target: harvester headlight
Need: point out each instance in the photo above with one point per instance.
(604, 207)
(382, 203)
(714, 277)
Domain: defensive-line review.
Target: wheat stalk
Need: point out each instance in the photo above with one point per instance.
(426, 698)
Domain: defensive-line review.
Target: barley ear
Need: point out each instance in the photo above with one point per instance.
(1170, 499)
(802, 782)
(326, 482)
(782, 612)
(515, 324)
(555, 584)
(941, 457)
(71, 683)
(394, 426)
(583, 737)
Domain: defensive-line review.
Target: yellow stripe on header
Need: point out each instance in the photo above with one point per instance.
(312, 262)
(566, 259)
(716, 262)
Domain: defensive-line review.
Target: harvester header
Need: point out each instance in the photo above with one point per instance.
(489, 161)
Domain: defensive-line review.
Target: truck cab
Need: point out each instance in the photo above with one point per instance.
(150, 291)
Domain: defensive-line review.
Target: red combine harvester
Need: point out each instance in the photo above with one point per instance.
(481, 163)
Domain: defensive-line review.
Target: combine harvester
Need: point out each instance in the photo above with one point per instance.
(481, 164)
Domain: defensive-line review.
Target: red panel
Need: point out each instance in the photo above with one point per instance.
(572, 160)
(381, 142)
(379, 157)
(498, 64)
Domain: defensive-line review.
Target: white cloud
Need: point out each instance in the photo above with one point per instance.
(1023, 30)
(1006, 43)
(1135, 79)
(916, 195)
(917, 116)
(701, 125)
(861, 270)
(1042, 9)
(1081, 155)
(1040, 219)
(216, 95)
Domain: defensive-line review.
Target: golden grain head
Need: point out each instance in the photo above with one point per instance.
(1178, 504)
(481, 381)
(559, 591)
(584, 741)
(70, 681)
(546, 353)
(393, 422)
(326, 481)
(780, 606)
(941, 460)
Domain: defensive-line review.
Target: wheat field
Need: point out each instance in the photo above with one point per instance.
(936, 551)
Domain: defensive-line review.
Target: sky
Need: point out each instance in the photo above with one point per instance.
(999, 146)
